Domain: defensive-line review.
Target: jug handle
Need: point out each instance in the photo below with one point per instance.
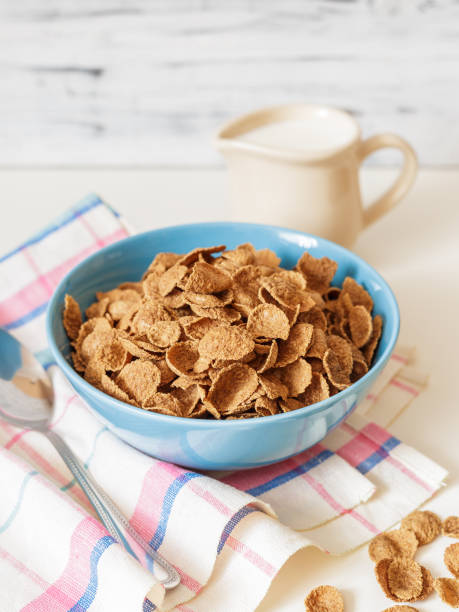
(394, 194)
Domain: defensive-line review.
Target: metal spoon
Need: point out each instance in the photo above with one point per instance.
(26, 400)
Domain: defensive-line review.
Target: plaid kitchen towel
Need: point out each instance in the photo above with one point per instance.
(228, 534)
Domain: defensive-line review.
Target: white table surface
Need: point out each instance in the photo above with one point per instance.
(416, 248)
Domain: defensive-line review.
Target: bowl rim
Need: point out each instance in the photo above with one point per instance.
(129, 410)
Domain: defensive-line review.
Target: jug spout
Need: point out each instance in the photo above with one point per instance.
(225, 144)
(230, 137)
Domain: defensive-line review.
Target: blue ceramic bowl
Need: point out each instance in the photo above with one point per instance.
(211, 444)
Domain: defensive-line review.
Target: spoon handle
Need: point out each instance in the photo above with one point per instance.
(109, 514)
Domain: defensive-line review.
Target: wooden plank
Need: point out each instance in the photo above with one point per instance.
(147, 82)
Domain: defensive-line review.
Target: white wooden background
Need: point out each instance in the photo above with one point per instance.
(147, 82)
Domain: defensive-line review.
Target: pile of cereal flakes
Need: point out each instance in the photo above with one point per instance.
(226, 334)
(400, 577)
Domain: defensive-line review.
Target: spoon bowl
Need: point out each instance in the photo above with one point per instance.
(23, 378)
